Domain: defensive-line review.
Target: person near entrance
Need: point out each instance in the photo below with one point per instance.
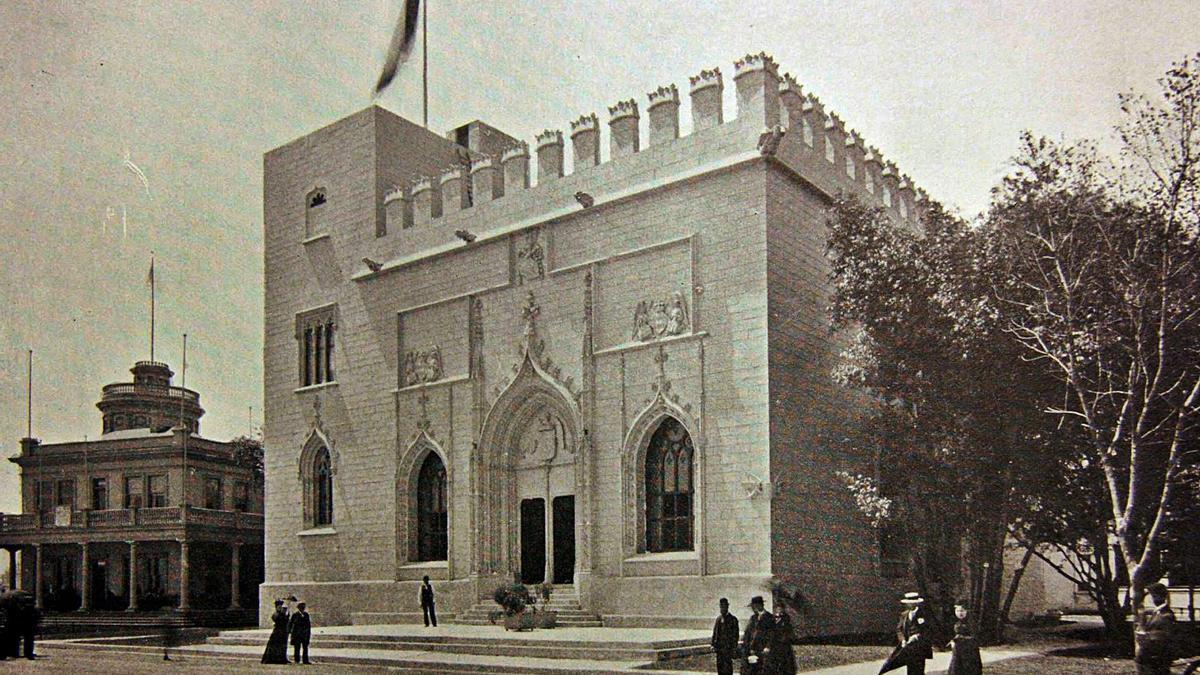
(725, 639)
(427, 604)
(756, 641)
(300, 628)
(913, 633)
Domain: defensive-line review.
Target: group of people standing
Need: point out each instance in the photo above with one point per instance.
(19, 619)
(284, 624)
(766, 645)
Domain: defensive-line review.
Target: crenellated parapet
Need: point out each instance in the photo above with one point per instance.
(799, 129)
(623, 128)
(663, 110)
(708, 92)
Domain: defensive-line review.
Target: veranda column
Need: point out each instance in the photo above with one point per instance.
(85, 593)
(37, 575)
(235, 570)
(183, 575)
(133, 581)
(12, 569)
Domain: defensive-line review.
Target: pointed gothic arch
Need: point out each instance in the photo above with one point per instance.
(317, 469)
(408, 498)
(633, 470)
(532, 391)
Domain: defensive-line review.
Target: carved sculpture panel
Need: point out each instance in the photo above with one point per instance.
(421, 366)
(654, 319)
(531, 257)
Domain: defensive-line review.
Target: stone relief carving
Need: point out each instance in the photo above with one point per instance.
(531, 257)
(660, 318)
(544, 440)
(421, 366)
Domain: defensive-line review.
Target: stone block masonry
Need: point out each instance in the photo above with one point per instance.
(550, 344)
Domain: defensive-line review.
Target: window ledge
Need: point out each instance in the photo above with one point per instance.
(315, 238)
(665, 555)
(428, 564)
(317, 532)
(314, 387)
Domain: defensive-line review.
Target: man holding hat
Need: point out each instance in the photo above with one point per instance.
(913, 632)
(756, 642)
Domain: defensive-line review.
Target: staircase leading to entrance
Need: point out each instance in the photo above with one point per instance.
(564, 600)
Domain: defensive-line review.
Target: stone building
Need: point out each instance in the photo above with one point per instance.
(616, 378)
(103, 516)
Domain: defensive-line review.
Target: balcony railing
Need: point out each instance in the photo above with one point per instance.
(13, 523)
(150, 390)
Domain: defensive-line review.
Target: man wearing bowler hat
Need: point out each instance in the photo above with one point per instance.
(725, 639)
(756, 642)
(913, 632)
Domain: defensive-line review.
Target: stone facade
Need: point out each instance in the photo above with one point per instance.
(535, 339)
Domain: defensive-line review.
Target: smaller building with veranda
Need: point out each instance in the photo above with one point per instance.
(616, 379)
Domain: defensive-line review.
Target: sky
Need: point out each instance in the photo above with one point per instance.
(196, 92)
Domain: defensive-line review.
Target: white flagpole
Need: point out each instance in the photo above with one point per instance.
(425, 60)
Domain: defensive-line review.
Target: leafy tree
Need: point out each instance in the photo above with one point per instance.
(248, 452)
(1097, 272)
(959, 407)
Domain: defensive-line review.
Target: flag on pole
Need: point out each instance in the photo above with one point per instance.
(402, 43)
(136, 171)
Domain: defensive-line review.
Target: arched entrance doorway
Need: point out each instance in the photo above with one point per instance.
(527, 477)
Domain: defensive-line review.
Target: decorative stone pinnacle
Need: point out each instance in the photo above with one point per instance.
(627, 108)
(392, 195)
(754, 62)
(706, 78)
(585, 123)
(422, 184)
(853, 139)
(519, 150)
(481, 163)
(813, 104)
(451, 174)
(905, 183)
(789, 83)
(922, 196)
(668, 94)
(872, 155)
(833, 122)
(549, 137)
(889, 169)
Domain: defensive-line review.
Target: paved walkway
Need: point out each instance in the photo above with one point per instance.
(938, 664)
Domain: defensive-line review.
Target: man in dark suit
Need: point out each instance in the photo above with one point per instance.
(427, 604)
(914, 633)
(725, 639)
(1153, 639)
(300, 628)
(756, 642)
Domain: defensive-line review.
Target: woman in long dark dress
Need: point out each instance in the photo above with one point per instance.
(276, 651)
(781, 660)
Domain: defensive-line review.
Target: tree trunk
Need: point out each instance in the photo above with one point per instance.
(1013, 585)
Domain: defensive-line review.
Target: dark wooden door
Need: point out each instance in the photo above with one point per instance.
(533, 541)
(564, 539)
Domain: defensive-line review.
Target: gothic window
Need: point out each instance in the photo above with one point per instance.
(314, 212)
(315, 332)
(887, 195)
(669, 488)
(806, 128)
(903, 208)
(322, 489)
(829, 156)
(212, 493)
(431, 509)
(870, 182)
(850, 169)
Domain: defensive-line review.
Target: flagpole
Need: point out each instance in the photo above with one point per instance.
(152, 306)
(29, 399)
(425, 61)
(186, 432)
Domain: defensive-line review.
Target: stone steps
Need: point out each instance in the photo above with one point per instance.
(376, 618)
(563, 600)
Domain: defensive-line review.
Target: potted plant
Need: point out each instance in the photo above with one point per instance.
(513, 599)
(546, 619)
